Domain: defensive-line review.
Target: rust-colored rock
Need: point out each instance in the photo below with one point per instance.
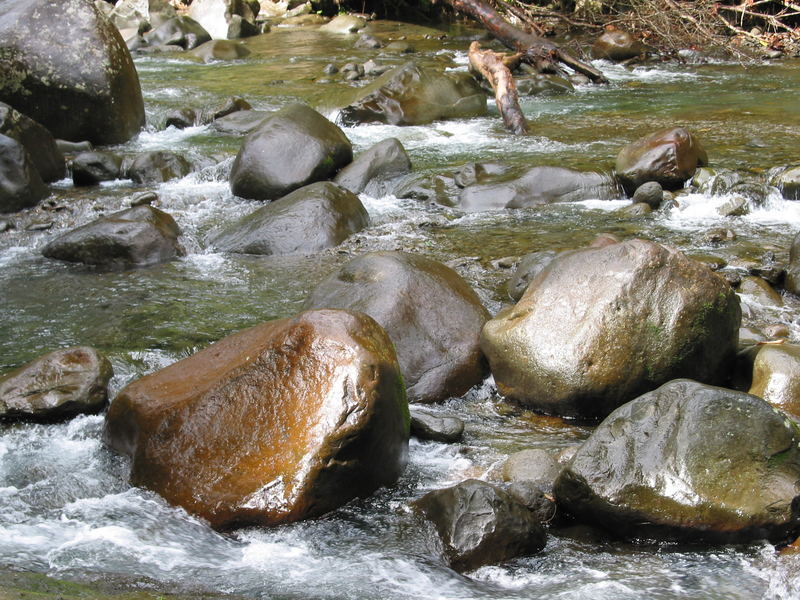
(281, 422)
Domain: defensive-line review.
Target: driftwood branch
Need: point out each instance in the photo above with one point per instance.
(496, 68)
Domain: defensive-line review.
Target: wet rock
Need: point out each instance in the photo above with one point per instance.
(437, 428)
(368, 42)
(717, 236)
(143, 198)
(668, 156)
(399, 47)
(101, 101)
(599, 326)
(777, 331)
(617, 45)
(412, 95)
(344, 24)
(330, 69)
(310, 219)
(651, 193)
(788, 182)
(431, 314)
(536, 496)
(373, 69)
(135, 237)
(219, 17)
(306, 20)
(66, 147)
(157, 167)
(792, 281)
(738, 206)
(138, 13)
(603, 240)
(531, 465)
(90, 168)
(20, 183)
(632, 211)
(285, 421)
(539, 83)
(240, 122)
(427, 188)
(56, 386)
(528, 268)
(472, 173)
(221, 50)
(181, 118)
(688, 462)
(480, 524)
(372, 169)
(232, 105)
(40, 144)
(180, 31)
(293, 147)
(760, 291)
(776, 377)
(537, 186)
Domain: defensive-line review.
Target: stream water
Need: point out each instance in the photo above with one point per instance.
(66, 508)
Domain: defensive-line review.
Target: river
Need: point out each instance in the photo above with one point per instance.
(66, 508)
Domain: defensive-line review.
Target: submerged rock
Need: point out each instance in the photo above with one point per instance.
(135, 237)
(537, 186)
(689, 462)
(317, 216)
(58, 385)
(412, 95)
(480, 524)
(599, 326)
(375, 167)
(776, 377)
(431, 314)
(668, 156)
(86, 90)
(37, 140)
(20, 183)
(285, 421)
(291, 148)
(434, 427)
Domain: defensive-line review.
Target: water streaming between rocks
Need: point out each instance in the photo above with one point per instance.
(66, 508)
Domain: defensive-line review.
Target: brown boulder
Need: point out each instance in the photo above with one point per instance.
(617, 45)
(280, 422)
(599, 326)
(776, 377)
(669, 157)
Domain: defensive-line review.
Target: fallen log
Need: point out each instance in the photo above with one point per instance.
(496, 68)
(542, 54)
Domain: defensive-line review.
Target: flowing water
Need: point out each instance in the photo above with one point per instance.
(66, 508)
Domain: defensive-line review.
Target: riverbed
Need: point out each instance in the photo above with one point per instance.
(66, 508)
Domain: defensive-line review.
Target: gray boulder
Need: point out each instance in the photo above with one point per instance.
(527, 269)
(431, 314)
(412, 95)
(374, 168)
(689, 462)
(788, 182)
(157, 167)
(537, 186)
(88, 89)
(317, 216)
(20, 183)
(136, 14)
(90, 168)
(480, 524)
(600, 326)
(291, 148)
(135, 237)
(437, 428)
(58, 385)
(179, 31)
(221, 50)
(39, 143)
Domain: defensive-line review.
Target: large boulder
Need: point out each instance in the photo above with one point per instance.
(617, 45)
(58, 385)
(225, 19)
(599, 326)
(284, 421)
(20, 183)
(179, 31)
(537, 186)
(374, 168)
(39, 143)
(86, 90)
(776, 377)
(480, 524)
(317, 216)
(669, 157)
(689, 462)
(792, 282)
(412, 95)
(431, 314)
(291, 148)
(135, 237)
